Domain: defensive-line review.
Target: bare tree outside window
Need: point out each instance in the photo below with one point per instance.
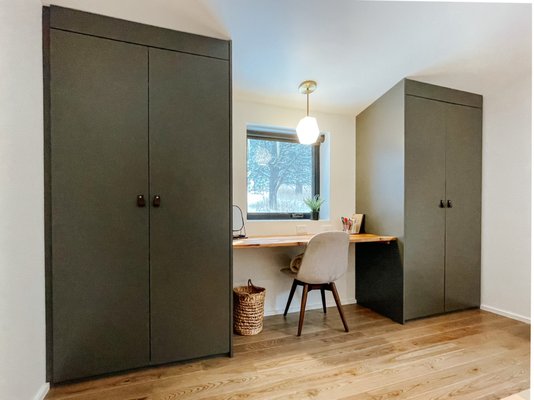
(280, 174)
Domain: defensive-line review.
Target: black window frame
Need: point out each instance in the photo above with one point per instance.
(288, 137)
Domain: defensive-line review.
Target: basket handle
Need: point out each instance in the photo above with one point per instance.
(250, 284)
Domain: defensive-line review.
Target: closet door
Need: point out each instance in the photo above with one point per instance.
(464, 179)
(424, 249)
(98, 105)
(190, 220)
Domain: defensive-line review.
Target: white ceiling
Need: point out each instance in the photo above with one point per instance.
(355, 50)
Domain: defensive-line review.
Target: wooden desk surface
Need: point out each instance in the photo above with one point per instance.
(301, 240)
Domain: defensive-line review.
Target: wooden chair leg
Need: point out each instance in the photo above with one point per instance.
(291, 293)
(302, 307)
(323, 299)
(338, 304)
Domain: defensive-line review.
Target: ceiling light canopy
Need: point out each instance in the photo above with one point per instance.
(307, 128)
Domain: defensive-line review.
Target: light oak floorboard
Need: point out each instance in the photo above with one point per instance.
(471, 354)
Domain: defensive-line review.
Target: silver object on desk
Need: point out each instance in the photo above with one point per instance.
(238, 223)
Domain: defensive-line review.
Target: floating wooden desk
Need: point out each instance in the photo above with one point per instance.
(301, 240)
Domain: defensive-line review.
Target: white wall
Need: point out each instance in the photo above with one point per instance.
(22, 310)
(506, 197)
(263, 265)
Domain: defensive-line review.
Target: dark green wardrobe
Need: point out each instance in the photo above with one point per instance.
(138, 200)
(419, 175)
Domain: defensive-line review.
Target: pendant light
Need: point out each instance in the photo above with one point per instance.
(307, 128)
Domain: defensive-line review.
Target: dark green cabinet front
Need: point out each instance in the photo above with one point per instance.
(464, 187)
(139, 205)
(189, 232)
(100, 269)
(443, 176)
(424, 216)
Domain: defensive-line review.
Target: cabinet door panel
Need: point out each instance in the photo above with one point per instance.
(424, 219)
(190, 231)
(99, 159)
(464, 179)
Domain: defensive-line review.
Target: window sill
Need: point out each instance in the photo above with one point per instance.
(296, 221)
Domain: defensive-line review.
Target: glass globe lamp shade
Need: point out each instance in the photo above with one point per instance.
(308, 130)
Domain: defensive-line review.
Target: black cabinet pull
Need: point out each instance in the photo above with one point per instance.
(141, 200)
(449, 204)
(441, 204)
(157, 201)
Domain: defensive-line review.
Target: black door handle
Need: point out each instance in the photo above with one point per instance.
(157, 201)
(441, 204)
(449, 204)
(141, 200)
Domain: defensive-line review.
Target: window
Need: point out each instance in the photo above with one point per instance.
(281, 173)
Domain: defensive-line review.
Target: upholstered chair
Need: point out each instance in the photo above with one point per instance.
(325, 260)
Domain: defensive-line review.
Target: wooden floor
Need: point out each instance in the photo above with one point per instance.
(525, 395)
(466, 355)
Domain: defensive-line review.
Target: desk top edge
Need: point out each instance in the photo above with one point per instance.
(301, 240)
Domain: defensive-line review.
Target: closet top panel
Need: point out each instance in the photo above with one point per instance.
(133, 32)
(441, 93)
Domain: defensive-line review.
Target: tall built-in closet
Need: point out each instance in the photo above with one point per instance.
(137, 159)
(419, 176)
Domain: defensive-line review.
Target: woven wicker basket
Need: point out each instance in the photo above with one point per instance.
(249, 302)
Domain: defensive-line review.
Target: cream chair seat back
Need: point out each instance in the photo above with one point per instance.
(325, 259)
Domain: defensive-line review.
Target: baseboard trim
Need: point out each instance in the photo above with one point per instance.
(504, 313)
(309, 306)
(41, 393)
